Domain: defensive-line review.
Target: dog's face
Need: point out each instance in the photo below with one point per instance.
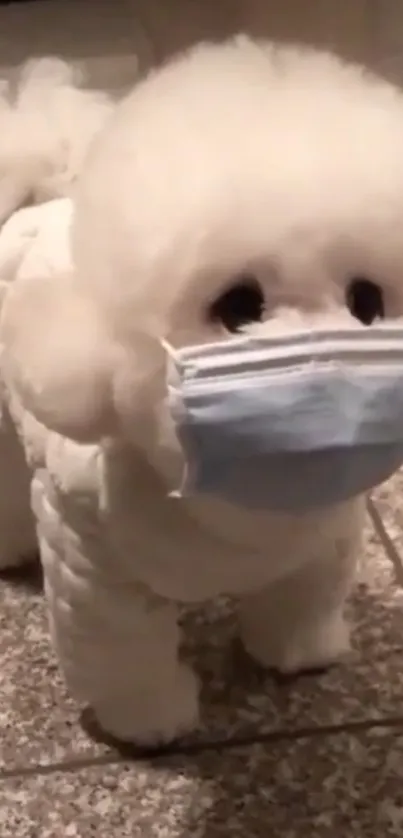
(243, 186)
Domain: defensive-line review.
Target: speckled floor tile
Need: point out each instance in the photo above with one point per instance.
(239, 698)
(40, 723)
(312, 788)
(38, 720)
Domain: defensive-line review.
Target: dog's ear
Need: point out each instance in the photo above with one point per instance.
(57, 357)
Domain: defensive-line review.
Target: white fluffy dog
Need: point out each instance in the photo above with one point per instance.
(243, 185)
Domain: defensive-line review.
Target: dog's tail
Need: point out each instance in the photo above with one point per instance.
(47, 122)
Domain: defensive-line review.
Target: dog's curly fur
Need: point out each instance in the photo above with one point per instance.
(47, 122)
(48, 119)
(237, 158)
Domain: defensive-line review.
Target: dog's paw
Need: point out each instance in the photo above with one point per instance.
(311, 647)
(153, 718)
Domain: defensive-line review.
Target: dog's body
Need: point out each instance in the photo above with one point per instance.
(235, 160)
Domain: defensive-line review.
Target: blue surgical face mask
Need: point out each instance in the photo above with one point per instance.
(292, 423)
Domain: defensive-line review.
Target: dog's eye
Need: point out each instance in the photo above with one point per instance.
(240, 304)
(365, 300)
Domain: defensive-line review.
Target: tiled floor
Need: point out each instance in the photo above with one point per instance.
(310, 757)
(313, 758)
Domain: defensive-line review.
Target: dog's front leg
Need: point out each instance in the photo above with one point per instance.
(298, 623)
(116, 641)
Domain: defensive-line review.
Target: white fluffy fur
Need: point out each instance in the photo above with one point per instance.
(47, 122)
(239, 157)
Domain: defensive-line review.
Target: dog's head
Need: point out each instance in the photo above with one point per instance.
(244, 186)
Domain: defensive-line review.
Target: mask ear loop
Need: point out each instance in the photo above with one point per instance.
(172, 355)
(169, 349)
(385, 539)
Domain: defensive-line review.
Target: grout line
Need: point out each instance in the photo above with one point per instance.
(129, 753)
